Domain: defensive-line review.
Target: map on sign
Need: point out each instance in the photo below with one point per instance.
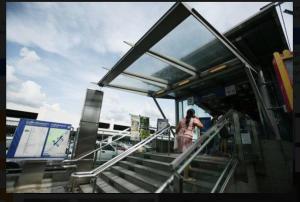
(32, 137)
(57, 142)
(39, 140)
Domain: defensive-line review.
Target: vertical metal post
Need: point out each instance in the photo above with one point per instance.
(169, 142)
(266, 99)
(176, 111)
(178, 183)
(163, 115)
(237, 136)
(255, 138)
(160, 110)
(262, 120)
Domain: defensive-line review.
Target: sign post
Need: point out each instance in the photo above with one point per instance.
(35, 142)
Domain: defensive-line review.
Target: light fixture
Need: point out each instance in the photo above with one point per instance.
(183, 82)
(215, 69)
(160, 92)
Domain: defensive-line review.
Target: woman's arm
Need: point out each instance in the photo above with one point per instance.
(198, 123)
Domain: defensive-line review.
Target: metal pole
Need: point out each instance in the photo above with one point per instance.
(169, 143)
(163, 115)
(266, 98)
(237, 136)
(160, 110)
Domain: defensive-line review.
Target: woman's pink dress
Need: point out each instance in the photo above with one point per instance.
(185, 134)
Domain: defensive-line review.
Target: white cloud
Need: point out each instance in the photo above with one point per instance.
(30, 64)
(10, 75)
(29, 55)
(28, 94)
(53, 112)
(62, 27)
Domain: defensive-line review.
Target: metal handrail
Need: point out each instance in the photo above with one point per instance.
(95, 150)
(221, 176)
(98, 170)
(187, 162)
(176, 162)
(210, 134)
(228, 177)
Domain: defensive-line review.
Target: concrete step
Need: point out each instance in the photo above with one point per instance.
(104, 187)
(121, 184)
(146, 171)
(149, 163)
(203, 174)
(86, 188)
(219, 159)
(197, 186)
(208, 164)
(157, 157)
(147, 183)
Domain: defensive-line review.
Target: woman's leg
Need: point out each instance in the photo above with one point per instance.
(187, 143)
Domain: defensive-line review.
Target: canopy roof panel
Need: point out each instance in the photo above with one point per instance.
(193, 44)
(182, 50)
(149, 66)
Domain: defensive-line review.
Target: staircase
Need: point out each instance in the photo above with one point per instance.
(146, 172)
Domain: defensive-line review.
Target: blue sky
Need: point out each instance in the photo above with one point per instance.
(54, 51)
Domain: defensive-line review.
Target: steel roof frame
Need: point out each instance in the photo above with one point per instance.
(148, 79)
(174, 16)
(171, 61)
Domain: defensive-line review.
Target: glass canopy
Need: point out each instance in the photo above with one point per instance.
(177, 50)
(149, 66)
(192, 43)
(135, 84)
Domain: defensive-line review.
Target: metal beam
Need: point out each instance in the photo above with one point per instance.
(151, 80)
(135, 90)
(160, 110)
(174, 16)
(170, 61)
(203, 76)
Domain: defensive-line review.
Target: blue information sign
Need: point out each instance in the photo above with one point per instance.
(39, 140)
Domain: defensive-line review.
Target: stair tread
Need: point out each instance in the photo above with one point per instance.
(124, 183)
(160, 155)
(213, 159)
(148, 160)
(201, 183)
(166, 174)
(208, 161)
(105, 187)
(86, 188)
(138, 176)
(205, 171)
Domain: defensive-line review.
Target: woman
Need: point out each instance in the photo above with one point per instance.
(184, 132)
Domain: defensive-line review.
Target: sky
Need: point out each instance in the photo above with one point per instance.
(56, 49)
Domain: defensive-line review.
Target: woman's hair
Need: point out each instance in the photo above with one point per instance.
(189, 114)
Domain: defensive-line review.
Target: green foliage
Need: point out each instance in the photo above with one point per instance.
(144, 133)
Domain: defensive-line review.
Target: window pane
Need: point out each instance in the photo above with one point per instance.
(125, 81)
(149, 66)
(192, 43)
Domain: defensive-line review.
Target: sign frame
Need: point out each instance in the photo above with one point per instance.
(20, 131)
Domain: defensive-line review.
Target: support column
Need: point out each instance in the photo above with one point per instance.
(267, 101)
(88, 127)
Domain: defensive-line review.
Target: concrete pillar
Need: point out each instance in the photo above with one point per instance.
(88, 126)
